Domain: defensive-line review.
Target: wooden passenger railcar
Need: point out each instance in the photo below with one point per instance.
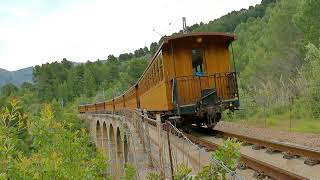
(190, 76)
(100, 107)
(91, 108)
(82, 108)
(109, 106)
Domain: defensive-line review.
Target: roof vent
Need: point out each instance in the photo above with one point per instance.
(184, 25)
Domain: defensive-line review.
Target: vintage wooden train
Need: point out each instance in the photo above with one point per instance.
(190, 76)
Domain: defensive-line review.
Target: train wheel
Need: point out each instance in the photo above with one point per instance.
(213, 120)
(210, 123)
(198, 121)
(218, 117)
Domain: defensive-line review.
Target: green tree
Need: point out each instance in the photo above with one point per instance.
(129, 172)
(27, 86)
(140, 52)
(9, 89)
(229, 22)
(311, 70)
(89, 83)
(63, 91)
(125, 56)
(308, 22)
(153, 48)
(112, 58)
(60, 148)
(12, 125)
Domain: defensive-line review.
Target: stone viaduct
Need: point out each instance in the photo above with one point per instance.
(141, 141)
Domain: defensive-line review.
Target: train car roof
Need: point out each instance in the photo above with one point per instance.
(228, 37)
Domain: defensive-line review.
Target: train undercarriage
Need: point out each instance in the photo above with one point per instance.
(206, 112)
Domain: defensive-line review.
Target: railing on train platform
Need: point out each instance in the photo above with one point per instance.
(167, 147)
(189, 88)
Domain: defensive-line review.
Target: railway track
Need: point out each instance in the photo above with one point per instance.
(312, 155)
(261, 167)
(257, 165)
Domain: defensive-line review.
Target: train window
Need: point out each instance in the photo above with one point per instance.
(147, 81)
(150, 79)
(156, 71)
(159, 69)
(197, 62)
(160, 66)
(153, 75)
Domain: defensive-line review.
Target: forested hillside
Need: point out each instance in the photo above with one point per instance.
(276, 55)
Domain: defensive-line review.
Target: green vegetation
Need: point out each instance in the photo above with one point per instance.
(277, 58)
(129, 172)
(229, 22)
(9, 89)
(227, 153)
(44, 147)
(182, 172)
(153, 176)
(96, 80)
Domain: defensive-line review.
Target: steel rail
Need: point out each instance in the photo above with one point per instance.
(257, 165)
(310, 153)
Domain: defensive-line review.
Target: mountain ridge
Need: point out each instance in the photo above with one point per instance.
(16, 77)
(19, 76)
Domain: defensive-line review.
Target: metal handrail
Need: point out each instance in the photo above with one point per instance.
(206, 75)
(225, 84)
(230, 172)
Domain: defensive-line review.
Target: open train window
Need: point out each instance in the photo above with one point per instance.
(197, 62)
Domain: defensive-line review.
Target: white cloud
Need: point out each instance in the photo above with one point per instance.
(94, 29)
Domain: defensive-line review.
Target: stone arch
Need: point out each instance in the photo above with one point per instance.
(105, 138)
(129, 150)
(125, 148)
(120, 150)
(98, 134)
(113, 153)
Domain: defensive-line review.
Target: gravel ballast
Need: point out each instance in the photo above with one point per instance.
(302, 139)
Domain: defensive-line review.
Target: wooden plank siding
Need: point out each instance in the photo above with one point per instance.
(130, 98)
(100, 106)
(91, 108)
(118, 103)
(82, 108)
(155, 99)
(109, 106)
(217, 60)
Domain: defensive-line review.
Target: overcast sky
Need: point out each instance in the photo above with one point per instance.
(33, 32)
